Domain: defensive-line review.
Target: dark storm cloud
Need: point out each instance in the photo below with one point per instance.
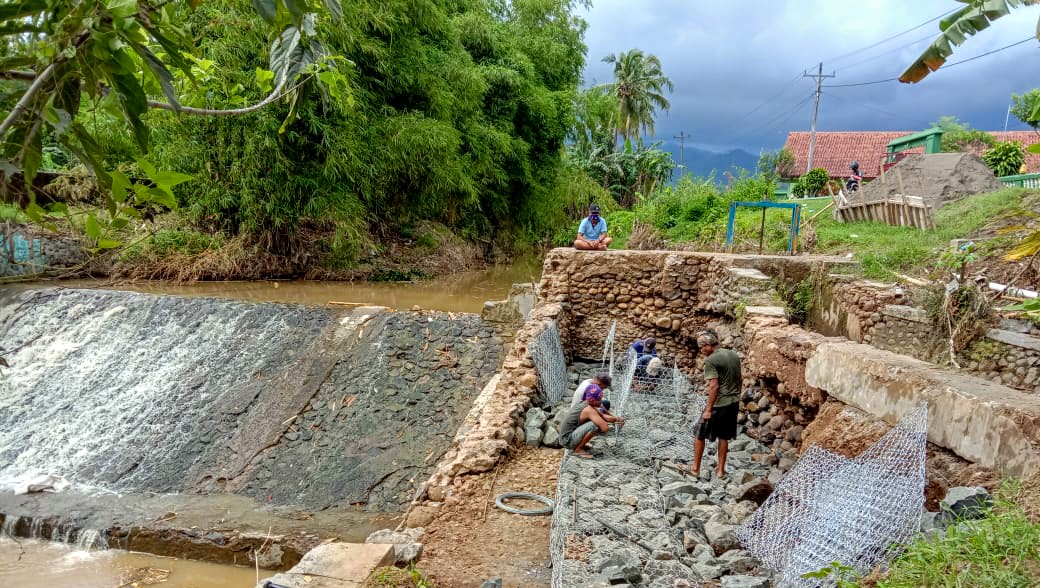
(726, 58)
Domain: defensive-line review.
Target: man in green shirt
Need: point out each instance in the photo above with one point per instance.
(719, 421)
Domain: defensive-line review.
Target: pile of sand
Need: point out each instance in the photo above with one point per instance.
(938, 178)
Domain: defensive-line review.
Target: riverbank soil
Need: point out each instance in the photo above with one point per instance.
(462, 547)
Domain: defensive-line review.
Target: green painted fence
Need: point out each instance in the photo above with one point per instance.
(1022, 181)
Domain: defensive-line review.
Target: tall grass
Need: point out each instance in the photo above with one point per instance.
(696, 212)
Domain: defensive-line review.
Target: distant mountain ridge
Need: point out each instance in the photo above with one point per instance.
(701, 162)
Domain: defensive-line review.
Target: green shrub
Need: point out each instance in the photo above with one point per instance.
(998, 550)
(1005, 158)
(811, 183)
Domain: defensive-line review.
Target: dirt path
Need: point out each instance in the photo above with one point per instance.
(461, 550)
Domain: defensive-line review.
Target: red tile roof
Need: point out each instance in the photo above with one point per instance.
(835, 150)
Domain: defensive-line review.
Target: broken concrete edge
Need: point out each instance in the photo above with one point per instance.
(216, 545)
(983, 422)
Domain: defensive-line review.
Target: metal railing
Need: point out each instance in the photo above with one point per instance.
(1022, 181)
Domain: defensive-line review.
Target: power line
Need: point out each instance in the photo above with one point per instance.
(947, 66)
(895, 36)
(901, 117)
(889, 52)
(769, 124)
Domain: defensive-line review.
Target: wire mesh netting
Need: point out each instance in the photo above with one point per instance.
(660, 406)
(610, 517)
(547, 354)
(830, 508)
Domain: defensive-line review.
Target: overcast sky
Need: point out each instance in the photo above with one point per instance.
(729, 57)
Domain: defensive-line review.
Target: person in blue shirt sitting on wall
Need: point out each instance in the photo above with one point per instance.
(592, 232)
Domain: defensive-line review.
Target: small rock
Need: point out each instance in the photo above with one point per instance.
(706, 572)
(662, 555)
(702, 554)
(551, 437)
(965, 502)
(692, 539)
(744, 582)
(406, 549)
(680, 487)
(738, 561)
(721, 536)
(756, 491)
(492, 583)
(785, 464)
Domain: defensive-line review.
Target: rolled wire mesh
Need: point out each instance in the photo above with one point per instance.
(608, 350)
(830, 508)
(547, 354)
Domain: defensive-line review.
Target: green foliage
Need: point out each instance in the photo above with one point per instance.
(811, 182)
(119, 53)
(776, 164)
(409, 577)
(458, 115)
(840, 575)
(186, 242)
(1026, 107)
(972, 17)
(958, 137)
(626, 174)
(639, 86)
(998, 550)
(1005, 158)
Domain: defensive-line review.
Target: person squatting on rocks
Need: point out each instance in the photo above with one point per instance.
(601, 379)
(592, 232)
(719, 421)
(585, 421)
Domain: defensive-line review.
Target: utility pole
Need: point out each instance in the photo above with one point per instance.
(682, 136)
(816, 108)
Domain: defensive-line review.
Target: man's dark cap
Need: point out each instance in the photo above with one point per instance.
(594, 209)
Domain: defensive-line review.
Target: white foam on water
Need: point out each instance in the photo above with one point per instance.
(105, 386)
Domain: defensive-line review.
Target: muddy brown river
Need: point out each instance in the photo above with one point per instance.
(461, 292)
(41, 564)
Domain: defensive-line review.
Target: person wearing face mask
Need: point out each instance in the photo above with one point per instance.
(592, 232)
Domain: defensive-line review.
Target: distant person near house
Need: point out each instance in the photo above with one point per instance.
(585, 421)
(602, 379)
(719, 421)
(592, 232)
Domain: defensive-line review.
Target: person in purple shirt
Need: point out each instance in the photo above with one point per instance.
(592, 232)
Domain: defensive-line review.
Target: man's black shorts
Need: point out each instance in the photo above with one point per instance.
(722, 425)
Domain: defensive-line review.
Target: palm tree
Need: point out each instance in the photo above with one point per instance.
(639, 86)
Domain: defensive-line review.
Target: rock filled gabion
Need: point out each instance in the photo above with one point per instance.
(660, 411)
(547, 353)
(830, 508)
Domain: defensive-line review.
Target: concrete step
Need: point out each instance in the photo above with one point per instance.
(334, 565)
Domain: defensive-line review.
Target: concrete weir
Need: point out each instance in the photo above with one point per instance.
(167, 414)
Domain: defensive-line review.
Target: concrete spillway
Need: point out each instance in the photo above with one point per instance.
(307, 406)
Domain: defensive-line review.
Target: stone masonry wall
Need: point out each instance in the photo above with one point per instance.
(881, 315)
(495, 424)
(23, 251)
(668, 295)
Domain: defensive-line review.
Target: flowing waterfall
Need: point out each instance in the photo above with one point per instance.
(128, 391)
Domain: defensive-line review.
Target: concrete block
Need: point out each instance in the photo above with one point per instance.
(983, 422)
